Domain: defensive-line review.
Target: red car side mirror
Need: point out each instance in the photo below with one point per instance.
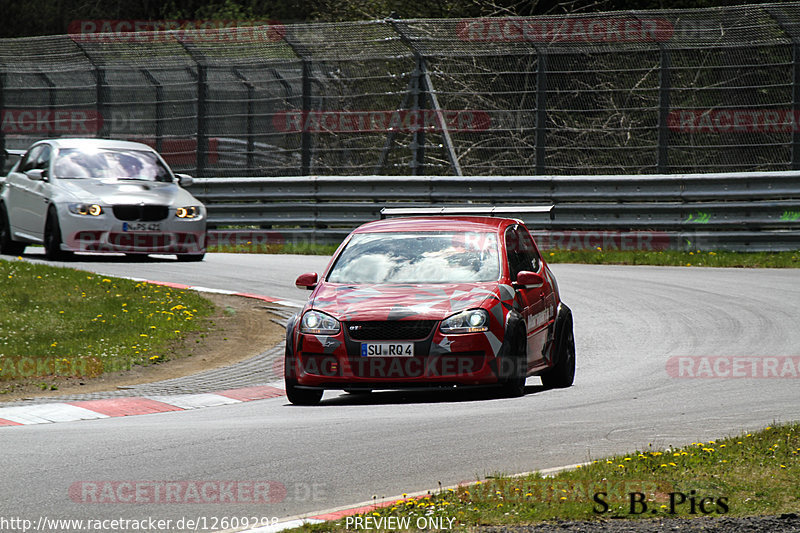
(307, 280)
(529, 280)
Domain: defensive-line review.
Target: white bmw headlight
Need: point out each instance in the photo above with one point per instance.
(86, 209)
(470, 321)
(316, 323)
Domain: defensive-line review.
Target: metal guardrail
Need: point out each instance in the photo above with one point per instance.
(736, 211)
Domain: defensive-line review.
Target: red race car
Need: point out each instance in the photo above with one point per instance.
(436, 301)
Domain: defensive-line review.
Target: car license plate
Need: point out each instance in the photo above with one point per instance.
(141, 226)
(387, 349)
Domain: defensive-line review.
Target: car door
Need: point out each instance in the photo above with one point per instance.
(18, 197)
(35, 194)
(533, 301)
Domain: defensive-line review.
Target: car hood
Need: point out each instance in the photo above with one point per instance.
(111, 192)
(399, 302)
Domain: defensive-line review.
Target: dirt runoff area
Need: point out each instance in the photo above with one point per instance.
(244, 328)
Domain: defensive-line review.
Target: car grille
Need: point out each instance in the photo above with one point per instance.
(389, 330)
(141, 213)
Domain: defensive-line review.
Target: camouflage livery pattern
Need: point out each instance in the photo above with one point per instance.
(338, 360)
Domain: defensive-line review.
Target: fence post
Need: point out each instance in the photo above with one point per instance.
(2, 114)
(788, 27)
(305, 136)
(51, 98)
(100, 89)
(541, 111)
(448, 141)
(159, 108)
(250, 120)
(411, 91)
(426, 87)
(665, 84)
(418, 140)
(202, 112)
(795, 103)
(100, 98)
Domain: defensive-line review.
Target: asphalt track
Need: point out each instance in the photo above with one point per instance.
(628, 322)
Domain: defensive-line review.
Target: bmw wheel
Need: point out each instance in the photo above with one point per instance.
(52, 238)
(190, 257)
(8, 246)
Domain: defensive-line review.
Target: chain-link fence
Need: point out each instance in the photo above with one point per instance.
(641, 92)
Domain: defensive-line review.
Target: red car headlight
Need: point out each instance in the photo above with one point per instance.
(470, 321)
(316, 323)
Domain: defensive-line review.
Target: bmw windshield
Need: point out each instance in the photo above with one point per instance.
(419, 257)
(77, 163)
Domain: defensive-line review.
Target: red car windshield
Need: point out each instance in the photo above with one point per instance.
(419, 257)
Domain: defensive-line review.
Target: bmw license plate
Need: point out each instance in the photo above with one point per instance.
(141, 226)
(387, 349)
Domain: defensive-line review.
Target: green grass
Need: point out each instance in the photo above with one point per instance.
(748, 475)
(65, 322)
(676, 258)
(289, 248)
(593, 257)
